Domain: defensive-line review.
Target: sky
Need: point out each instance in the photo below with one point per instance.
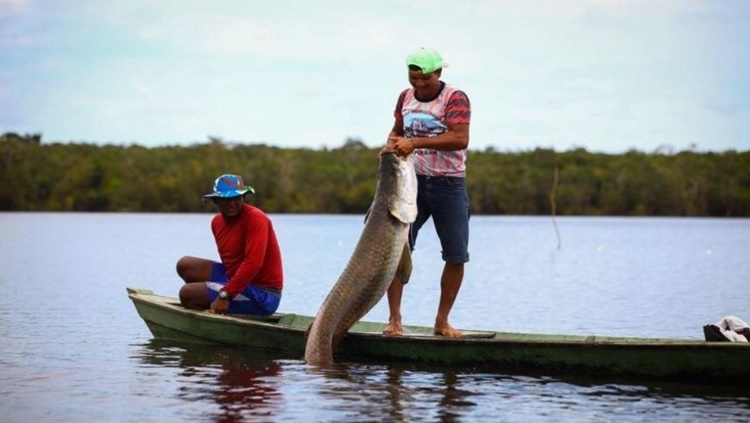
(604, 75)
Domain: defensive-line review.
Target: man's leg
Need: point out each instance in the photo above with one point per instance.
(195, 272)
(194, 295)
(395, 290)
(450, 212)
(194, 269)
(450, 283)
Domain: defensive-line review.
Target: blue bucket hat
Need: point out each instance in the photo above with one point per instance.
(227, 186)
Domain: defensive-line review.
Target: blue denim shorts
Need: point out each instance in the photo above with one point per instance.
(251, 300)
(446, 200)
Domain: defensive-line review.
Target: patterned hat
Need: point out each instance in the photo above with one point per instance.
(227, 186)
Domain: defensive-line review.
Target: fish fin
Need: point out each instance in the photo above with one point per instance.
(403, 271)
(404, 211)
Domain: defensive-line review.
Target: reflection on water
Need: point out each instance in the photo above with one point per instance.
(394, 393)
(424, 393)
(225, 384)
(241, 386)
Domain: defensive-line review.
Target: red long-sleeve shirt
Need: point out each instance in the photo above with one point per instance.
(249, 250)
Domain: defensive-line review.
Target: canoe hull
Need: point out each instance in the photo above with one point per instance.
(618, 356)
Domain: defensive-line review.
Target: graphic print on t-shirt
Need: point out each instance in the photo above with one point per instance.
(420, 124)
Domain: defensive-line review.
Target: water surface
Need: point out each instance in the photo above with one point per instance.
(76, 350)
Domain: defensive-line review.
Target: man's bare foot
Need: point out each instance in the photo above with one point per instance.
(448, 332)
(393, 328)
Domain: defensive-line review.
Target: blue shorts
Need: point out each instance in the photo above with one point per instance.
(446, 200)
(251, 300)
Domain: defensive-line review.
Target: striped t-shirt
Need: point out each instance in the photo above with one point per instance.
(432, 118)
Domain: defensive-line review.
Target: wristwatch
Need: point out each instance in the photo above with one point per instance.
(224, 295)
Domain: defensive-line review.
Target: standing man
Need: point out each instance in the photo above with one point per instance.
(432, 121)
(249, 278)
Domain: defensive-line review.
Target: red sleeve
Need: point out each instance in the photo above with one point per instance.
(458, 109)
(256, 245)
(399, 105)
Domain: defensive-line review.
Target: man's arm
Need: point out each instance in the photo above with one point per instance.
(458, 116)
(256, 242)
(396, 131)
(456, 138)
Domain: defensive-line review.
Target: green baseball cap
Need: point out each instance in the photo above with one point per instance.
(427, 59)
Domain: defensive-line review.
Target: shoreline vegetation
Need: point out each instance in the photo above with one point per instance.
(87, 177)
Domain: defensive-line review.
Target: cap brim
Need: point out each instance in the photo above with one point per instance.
(228, 194)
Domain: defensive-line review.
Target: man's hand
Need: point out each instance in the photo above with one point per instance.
(401, 145)
(219, 306)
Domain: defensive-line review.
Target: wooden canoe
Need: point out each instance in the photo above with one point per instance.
(669, 359)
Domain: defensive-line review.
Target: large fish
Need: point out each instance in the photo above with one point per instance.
(381, 253)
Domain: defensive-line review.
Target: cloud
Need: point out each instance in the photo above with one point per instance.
(11, 7)
(722, 106)
(589, 72)
(12, 31)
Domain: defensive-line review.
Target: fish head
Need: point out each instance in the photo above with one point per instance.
(398, 181)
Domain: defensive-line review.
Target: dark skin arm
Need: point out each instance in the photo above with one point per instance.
(455, 138)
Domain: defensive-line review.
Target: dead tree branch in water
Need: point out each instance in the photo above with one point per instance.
(553, 205)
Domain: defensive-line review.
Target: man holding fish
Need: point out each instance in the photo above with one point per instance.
(421, 175)
(432, 122)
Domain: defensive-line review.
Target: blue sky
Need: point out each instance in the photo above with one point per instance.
(604, 75)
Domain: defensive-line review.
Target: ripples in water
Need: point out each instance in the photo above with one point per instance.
(227, 384)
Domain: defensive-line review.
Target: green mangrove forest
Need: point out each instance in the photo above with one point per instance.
(87, 177)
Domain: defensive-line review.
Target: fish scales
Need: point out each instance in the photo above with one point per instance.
(381, 252)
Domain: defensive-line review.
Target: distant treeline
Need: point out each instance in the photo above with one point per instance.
(38, 176)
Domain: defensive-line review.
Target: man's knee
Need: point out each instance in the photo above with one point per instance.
(185, 298)
(456, 259)
(194, 296)
(192, 269)
(183, 264)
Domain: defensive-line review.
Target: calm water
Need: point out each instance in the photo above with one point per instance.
(75, 349)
